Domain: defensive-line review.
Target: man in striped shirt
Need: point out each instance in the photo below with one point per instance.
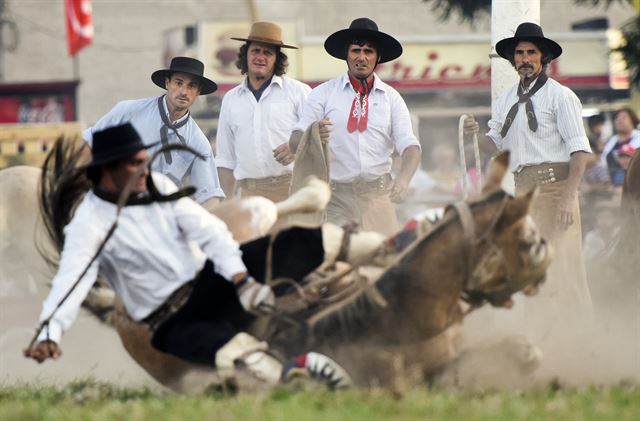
(540, 122)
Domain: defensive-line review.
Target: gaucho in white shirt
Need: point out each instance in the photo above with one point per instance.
(257, 117)
(175, 266)
(167, 119)
(365, 121)
(540, 122)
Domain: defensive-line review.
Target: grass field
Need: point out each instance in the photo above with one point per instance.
(89, 400)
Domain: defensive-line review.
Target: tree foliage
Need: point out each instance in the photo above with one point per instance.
(630, 48)
(469, 10)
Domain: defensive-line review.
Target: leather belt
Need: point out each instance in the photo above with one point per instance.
(542, 174)
(175, 302)
(256, 183)
(381, 184)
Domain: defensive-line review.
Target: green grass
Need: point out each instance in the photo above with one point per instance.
(90, 400)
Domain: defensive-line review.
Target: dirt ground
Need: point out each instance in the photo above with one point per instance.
(604, 351)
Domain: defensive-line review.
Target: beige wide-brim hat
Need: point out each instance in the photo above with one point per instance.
(266, 33)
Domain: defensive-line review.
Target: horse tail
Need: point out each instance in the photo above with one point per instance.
(62, 186)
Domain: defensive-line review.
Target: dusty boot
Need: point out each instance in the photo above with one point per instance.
(317, 367)
(245, 352)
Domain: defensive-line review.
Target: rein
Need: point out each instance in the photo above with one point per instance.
(474, 295)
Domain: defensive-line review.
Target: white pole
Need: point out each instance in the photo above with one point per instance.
(506, 15)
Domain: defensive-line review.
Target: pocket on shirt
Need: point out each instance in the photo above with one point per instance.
(379, 115)
(282, 115)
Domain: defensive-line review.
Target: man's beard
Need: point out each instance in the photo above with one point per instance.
(528, 76)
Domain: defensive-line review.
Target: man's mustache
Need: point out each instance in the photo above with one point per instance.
(525, 66)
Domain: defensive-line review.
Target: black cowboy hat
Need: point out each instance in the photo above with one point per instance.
(364, 28)
(527, 31)
(187, 65)
(114, 143)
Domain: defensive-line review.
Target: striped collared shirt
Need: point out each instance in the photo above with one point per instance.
(144, 115)
(560, 128)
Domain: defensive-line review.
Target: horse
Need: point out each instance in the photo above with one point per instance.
(480, 252)
(425, 283)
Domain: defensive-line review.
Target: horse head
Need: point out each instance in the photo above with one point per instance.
(510, 255)
(481, 251)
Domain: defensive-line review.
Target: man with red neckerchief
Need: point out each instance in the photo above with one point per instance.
(365, 121)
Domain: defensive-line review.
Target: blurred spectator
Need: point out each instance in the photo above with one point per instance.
(435, 187)
(595, 127)
(625, 122)
(624, 156)
(596, 182)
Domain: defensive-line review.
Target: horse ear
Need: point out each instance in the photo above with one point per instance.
(517, 208)
(497, 169)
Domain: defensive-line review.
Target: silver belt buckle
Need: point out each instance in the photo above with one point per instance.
(547, 176)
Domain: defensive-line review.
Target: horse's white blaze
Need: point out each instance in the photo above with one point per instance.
(264, 213)
(313, 197)
(486, 270)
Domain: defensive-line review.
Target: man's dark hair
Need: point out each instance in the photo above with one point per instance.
(594, 120)
(544, 50)
(632, 114)
(279, 68)
(94, 174)
(362, 42)
(170, 76)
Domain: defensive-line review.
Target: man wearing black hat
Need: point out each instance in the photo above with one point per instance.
(167, 119)
(540, 122)
(257, 116)
(368, 120)
(196, 304)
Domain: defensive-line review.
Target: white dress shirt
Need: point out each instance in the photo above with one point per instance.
(360, 155)
(249, 130)
(155, 249)
(560, 128)
(144, 115)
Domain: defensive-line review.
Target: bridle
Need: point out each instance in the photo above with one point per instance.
(474, 292)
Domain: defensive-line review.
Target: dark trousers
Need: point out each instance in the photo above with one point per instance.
(213, 315)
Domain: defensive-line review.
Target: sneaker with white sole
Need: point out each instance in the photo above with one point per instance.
(319, 368)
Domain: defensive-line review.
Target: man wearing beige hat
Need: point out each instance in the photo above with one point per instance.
(257, 116)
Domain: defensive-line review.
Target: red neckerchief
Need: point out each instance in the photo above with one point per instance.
(359, 114)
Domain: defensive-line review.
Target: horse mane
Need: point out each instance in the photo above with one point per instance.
(62, 186)
(354, 313)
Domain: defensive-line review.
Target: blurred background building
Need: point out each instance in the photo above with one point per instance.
(443, 73)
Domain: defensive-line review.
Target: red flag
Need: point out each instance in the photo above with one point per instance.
(79, 24)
